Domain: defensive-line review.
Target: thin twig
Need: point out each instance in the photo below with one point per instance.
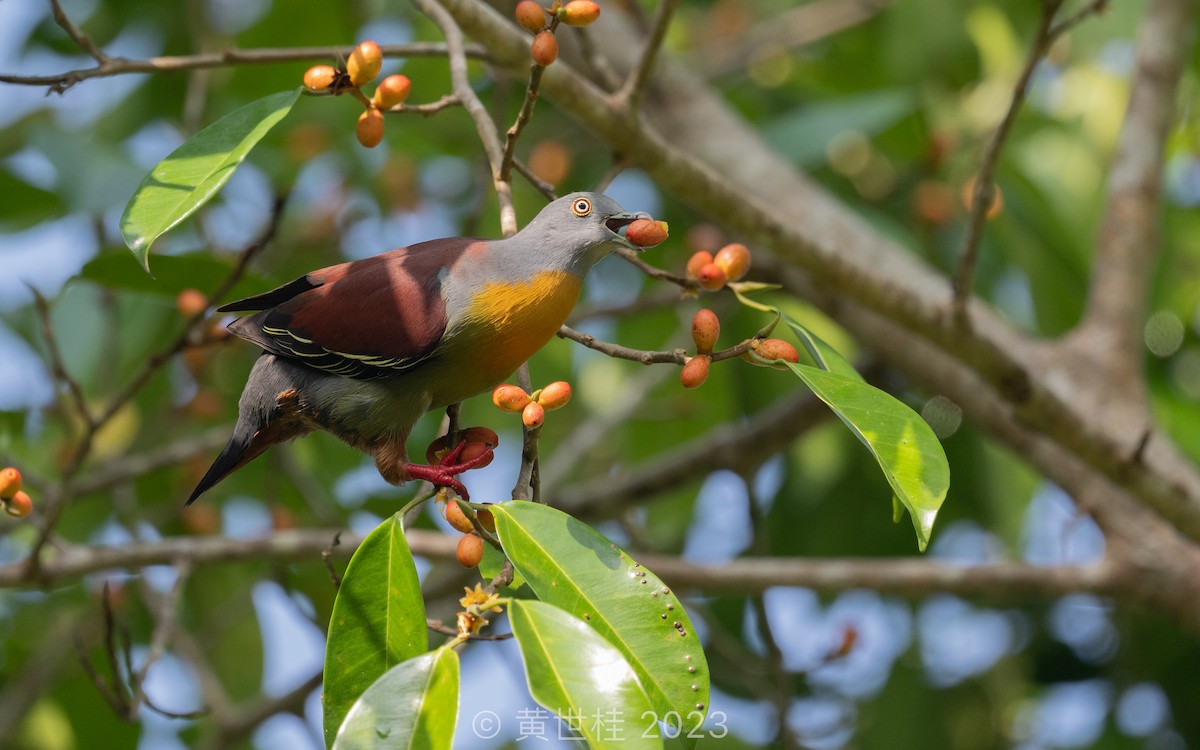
(644, 356)
(426, 110)
(485, 127)
(524, 115)
(60, 82)
(985, 187)
(629, 98)
(439, 626)
(83, 40)
(540, 185)
(58, 368)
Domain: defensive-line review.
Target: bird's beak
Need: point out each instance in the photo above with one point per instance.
(618, 222)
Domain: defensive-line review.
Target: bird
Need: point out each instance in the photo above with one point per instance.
(364, 349)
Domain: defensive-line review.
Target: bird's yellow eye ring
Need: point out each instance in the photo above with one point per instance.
(582, 207)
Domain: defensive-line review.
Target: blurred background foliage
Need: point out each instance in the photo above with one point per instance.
(890, 115)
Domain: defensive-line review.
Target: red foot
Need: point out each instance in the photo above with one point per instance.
(445, 472)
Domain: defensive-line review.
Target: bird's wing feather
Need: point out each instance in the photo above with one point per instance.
(370, 318)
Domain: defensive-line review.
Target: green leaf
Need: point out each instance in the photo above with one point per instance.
(378, 620)
(570, 565)
(902, 442)
(413, 705)
(909, 453)
(490, 567)
(583, 678)
(193, 173)
(824, 355)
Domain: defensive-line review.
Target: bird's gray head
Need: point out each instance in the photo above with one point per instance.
(577, 230)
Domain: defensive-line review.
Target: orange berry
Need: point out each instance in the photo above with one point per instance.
(364, 63)
(711, 277)
(486, 519)
(579, 12)
(533, 415)
(10, 482)
(695, 372)
(19, 505)
(646, 232)
(319, 77)
(470, 550)
(456, 518)
(510, 398)
(705, 329)
(699, 259)
(392, 91)
(531, 15)
(554, 396)
(370, 128)
(764, 353)
(734, 260)
(191, 302)
(544, 49)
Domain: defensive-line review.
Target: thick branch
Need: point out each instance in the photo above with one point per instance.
(1127, 245)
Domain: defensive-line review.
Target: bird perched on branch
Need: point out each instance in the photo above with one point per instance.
(363, 349)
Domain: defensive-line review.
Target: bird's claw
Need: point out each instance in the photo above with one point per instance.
(445, 472)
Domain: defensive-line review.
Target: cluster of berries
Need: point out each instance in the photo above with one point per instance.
(361, 68)
(532, 406)
(542, 22)
(15, 501)
(713, 272)
(470, 546)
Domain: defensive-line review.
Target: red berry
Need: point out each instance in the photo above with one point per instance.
(647, 232)
(711, 277)
(533, 415)
(695, 372)
(531, 15)
(705, 330)
(544, 49)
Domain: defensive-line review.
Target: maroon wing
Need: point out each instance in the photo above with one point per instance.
(370, 318)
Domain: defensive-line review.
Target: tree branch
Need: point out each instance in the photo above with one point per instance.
(1127, 244)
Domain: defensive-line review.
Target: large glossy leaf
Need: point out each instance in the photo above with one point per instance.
(413, 705)
(378, 620)
(906, 448)
(902, 442)
(193, 173)
(583, 678)
(573, 567)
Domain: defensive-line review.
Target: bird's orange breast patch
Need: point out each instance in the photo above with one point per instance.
(520, 317)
